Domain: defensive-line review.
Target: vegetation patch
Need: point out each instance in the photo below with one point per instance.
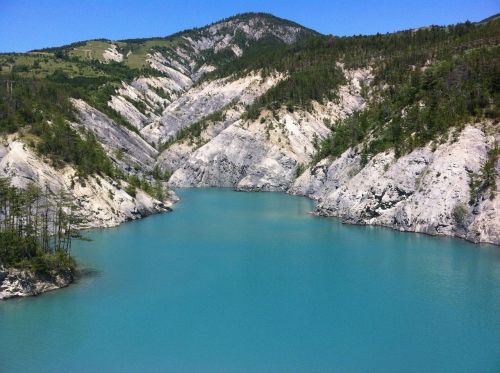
(422, 91)
(37, 230)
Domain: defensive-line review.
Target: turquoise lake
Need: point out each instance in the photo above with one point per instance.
(251, 282)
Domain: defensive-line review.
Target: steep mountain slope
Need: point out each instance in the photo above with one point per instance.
(399, 130)
(126, 98)
(264, 154)
(103, 201)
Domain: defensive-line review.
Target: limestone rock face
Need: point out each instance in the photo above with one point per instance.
(103, 201)
(124, 146)
(112, 54)
(205, 99)
(177, 153)
(173, 130)
(265, 154)
(251, 156)
(417, 192)
(222, 35)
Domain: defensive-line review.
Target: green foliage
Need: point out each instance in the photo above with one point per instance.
(99, 98)
(36, 230)
(425, 82)
(299, 89)
(65, 145)
(154, 188)
(459, 214)
(418, 105)
(488, 171)
(41, 106)
(49, 264)
(158, 175)
(31, 102)
(161, 92)
(131, 190)
(300, 169)
(139, 105)
(193, 131)
(484, 180)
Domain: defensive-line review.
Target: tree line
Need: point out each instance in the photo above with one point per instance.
(37, 229)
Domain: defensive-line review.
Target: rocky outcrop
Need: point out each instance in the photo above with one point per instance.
(177, 73)
(254, 155)
(151, 95)
(266, 153)
(129, 150)
(223, 35)
(205, 99)
(22, 283)
(425, 191)
(186, 63)
(420, 192)
(175, 155)
(112, 54)
(104, 201)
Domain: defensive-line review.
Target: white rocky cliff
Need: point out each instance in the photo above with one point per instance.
(264, 154)
(425, 191)
(103, 200)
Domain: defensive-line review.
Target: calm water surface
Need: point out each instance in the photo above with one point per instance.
(251, 282)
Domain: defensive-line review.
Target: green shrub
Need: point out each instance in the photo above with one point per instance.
(459, 214)
(131, 190)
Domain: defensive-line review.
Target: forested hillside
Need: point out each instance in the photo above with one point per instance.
(425, 81)
(36, 86)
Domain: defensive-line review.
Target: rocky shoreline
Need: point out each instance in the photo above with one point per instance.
(23, 283)
(426, 191)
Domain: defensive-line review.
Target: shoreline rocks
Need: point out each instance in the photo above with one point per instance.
(418, 192)
(16, 283)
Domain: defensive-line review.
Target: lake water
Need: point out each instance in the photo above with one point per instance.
(252, 282)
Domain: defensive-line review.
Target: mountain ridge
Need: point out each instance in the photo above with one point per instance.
(244, 14)
(178, 33)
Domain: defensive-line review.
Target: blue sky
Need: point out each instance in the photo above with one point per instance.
(29, 24)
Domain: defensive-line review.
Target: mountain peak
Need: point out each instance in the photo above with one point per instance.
(191, 52)
(254, 26)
